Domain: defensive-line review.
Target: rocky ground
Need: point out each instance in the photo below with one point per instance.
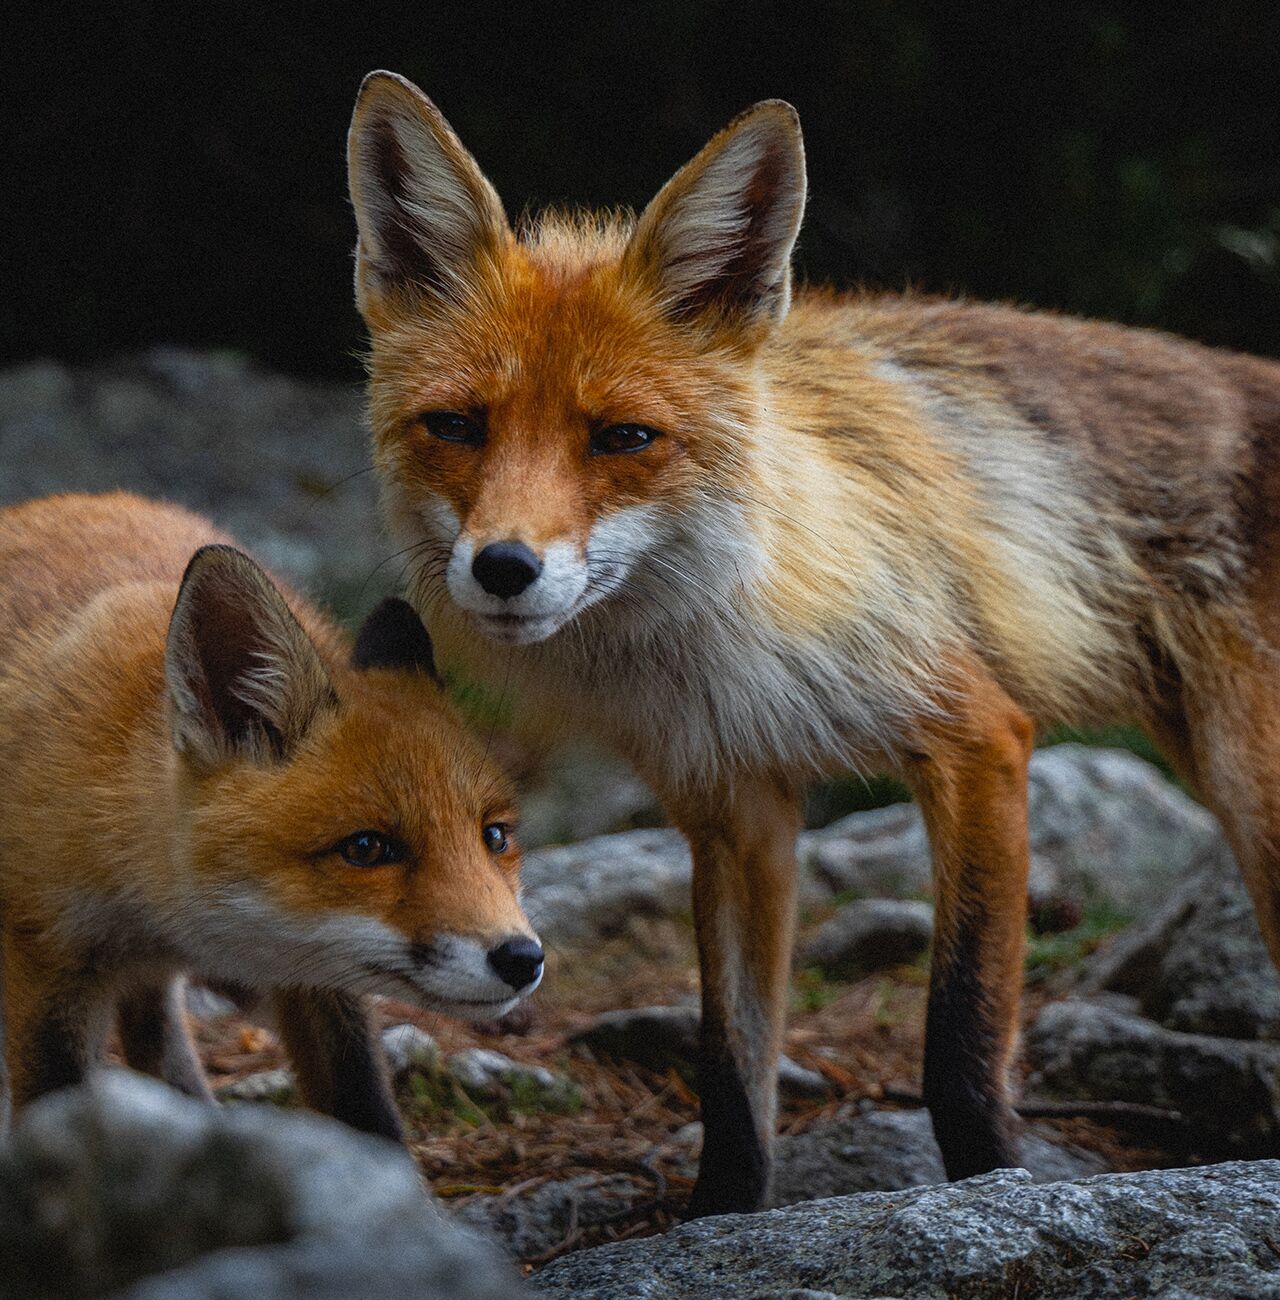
(1152, 1013)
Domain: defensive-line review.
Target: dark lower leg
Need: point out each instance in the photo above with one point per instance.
(338, 1060)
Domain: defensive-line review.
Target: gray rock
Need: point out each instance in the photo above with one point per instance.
(1227, 1090)
(277, 461)
(583, 793)
(205, 1004)
(489, 1076)
(800, 1081)
(584, 891)
(666, 1038)
(1198, 964)
(869, 934)
(1167, 1233)
(127, 1188)
(266, 1085)
(533, 1223)
(1104, 825)
(888, 1149)
(408, 1048)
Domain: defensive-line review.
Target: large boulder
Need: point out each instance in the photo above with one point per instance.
(1197, 964)
(1171, 1233)
(125, 1188)
(1104, 826)
(867, 935)
(1227, 1090)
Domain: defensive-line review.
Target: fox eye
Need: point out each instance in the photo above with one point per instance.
(622, 437)
(452, 426)
(371, 849)
(495, 837)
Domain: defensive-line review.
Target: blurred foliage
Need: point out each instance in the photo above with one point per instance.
(177, 174)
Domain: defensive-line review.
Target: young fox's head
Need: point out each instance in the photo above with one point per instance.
(562, 413)
(343, 829)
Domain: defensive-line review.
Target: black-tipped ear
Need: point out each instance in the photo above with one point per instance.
(393, 637)
(244, 678)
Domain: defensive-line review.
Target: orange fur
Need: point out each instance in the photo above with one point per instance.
(123, 860)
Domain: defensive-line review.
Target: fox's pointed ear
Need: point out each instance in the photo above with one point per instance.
(424, 210)
(393, 636)
(244, 678)
(718, 237)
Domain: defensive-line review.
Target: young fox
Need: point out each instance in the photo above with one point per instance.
(749, 538)
(238, 797)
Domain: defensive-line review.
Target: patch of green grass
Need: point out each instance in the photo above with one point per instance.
(812, 990)
(1133, 739)
(440, 1101)
(1047, 953)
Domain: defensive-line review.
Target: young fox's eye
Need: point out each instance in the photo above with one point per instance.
(371, 849)
(622, 437)
(452, 426)
(495, 837)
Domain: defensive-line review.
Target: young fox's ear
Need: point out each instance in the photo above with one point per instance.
(393, 636)
(718, 237)
(424, 210)
(244, 678)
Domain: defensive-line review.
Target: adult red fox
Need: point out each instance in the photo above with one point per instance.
(749, 537)
(240, 796)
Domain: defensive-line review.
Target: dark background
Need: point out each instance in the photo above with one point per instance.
(177, 176)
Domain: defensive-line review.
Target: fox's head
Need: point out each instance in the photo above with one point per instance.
(343, 829)
(560, 414)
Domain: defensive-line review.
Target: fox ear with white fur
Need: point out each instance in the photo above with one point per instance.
(718, 237)
(424, 210)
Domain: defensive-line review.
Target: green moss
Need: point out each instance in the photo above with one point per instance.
(1047, 953)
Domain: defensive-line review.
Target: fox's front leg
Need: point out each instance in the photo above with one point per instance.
(55, 1020)
(152, 1020)
(970, 776)
(744, 887)
(338, 1060)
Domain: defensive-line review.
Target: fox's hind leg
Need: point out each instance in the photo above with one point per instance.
(744, 884)
(1225, 743)
(153, 1033)
(338, 1060)
(970, 776)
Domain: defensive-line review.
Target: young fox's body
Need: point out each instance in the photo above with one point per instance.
(216, 786)
(748, 539)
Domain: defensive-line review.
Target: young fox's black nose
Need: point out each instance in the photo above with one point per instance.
(518, 961)
(505, 568)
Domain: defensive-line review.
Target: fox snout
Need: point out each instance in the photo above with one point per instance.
(505, 569)
(518, 961)
(516, 592)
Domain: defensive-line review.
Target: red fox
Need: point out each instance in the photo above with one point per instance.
(237, 796)
(751, 536)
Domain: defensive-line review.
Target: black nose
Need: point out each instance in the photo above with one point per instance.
(505, 568)
(517, 961)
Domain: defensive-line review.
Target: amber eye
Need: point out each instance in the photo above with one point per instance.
(622, 437)
(452, 426)
(495, 837)
(371, 849)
